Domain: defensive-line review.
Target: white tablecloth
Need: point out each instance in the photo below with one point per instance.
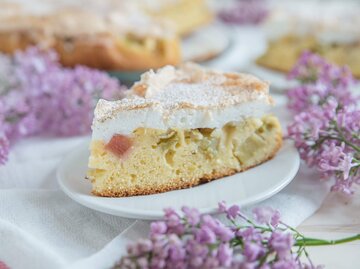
(40, 227)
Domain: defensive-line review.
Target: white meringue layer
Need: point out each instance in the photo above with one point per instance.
(125, 122)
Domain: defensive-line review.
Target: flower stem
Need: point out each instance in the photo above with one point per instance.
(348, 143)
(342, 136)
(320, 242)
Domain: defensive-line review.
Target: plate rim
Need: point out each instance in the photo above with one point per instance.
(279, 81)
(225, 34)
(158, 214)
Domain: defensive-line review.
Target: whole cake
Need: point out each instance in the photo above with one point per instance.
(127, 35)
(330, 30)
(177, 128)
(116, 40)
(283, 53)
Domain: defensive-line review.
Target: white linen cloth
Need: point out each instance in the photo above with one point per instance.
(40, 227)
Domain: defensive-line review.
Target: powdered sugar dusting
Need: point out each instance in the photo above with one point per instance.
(197, 94)
(189, 86)
(200, 88)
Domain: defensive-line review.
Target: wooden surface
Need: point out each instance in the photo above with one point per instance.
(338, 217)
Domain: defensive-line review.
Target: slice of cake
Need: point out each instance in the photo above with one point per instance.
(181, 127)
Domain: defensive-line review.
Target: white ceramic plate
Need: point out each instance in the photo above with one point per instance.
(279, 82)
(244, 188)
(205, 43)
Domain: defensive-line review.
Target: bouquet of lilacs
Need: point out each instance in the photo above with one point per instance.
(40, 97)
(326, 125)
(190, 240)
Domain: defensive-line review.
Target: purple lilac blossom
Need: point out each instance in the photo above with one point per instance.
(202, 244)
(245, 12)
(318, 81)
(327, 139)
(326, 126)
(39, 97)
(267, 215)
(4, 142)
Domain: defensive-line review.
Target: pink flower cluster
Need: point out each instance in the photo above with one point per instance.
(245, 12)
(190, 240)
(318, 81)
(39, 97)
(326, 127)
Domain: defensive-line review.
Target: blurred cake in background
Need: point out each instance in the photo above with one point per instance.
(330, 30)
(110, 35)
(185, 16)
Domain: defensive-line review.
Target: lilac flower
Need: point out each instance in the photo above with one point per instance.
(224, 233)
(197, 251)
(253, 251)
(285, 264)
(133, 250)
(319, 81)
(205, 235)
(143, 262)
(158, 227)
(4, 142)
(211, 262)
(332, 149)
(196, 262)
(344, 164)
(312, 68)
(203, 245)
(281, 243)
(224, 255)
(173, 221)
(267, 215)
(160, 245)
(233, 211)
(144, 245)
(250, 234)
(176, 250)
(245, 12)
(156, 263)
(210, 222)
(172, 218)
(192, 214)
(222, 207)
(326, 128)
(39, 97)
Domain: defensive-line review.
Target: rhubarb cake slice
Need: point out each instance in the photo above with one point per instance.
(179, 127)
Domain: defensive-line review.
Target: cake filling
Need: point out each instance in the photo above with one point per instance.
(163, 158)
(119, 145)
